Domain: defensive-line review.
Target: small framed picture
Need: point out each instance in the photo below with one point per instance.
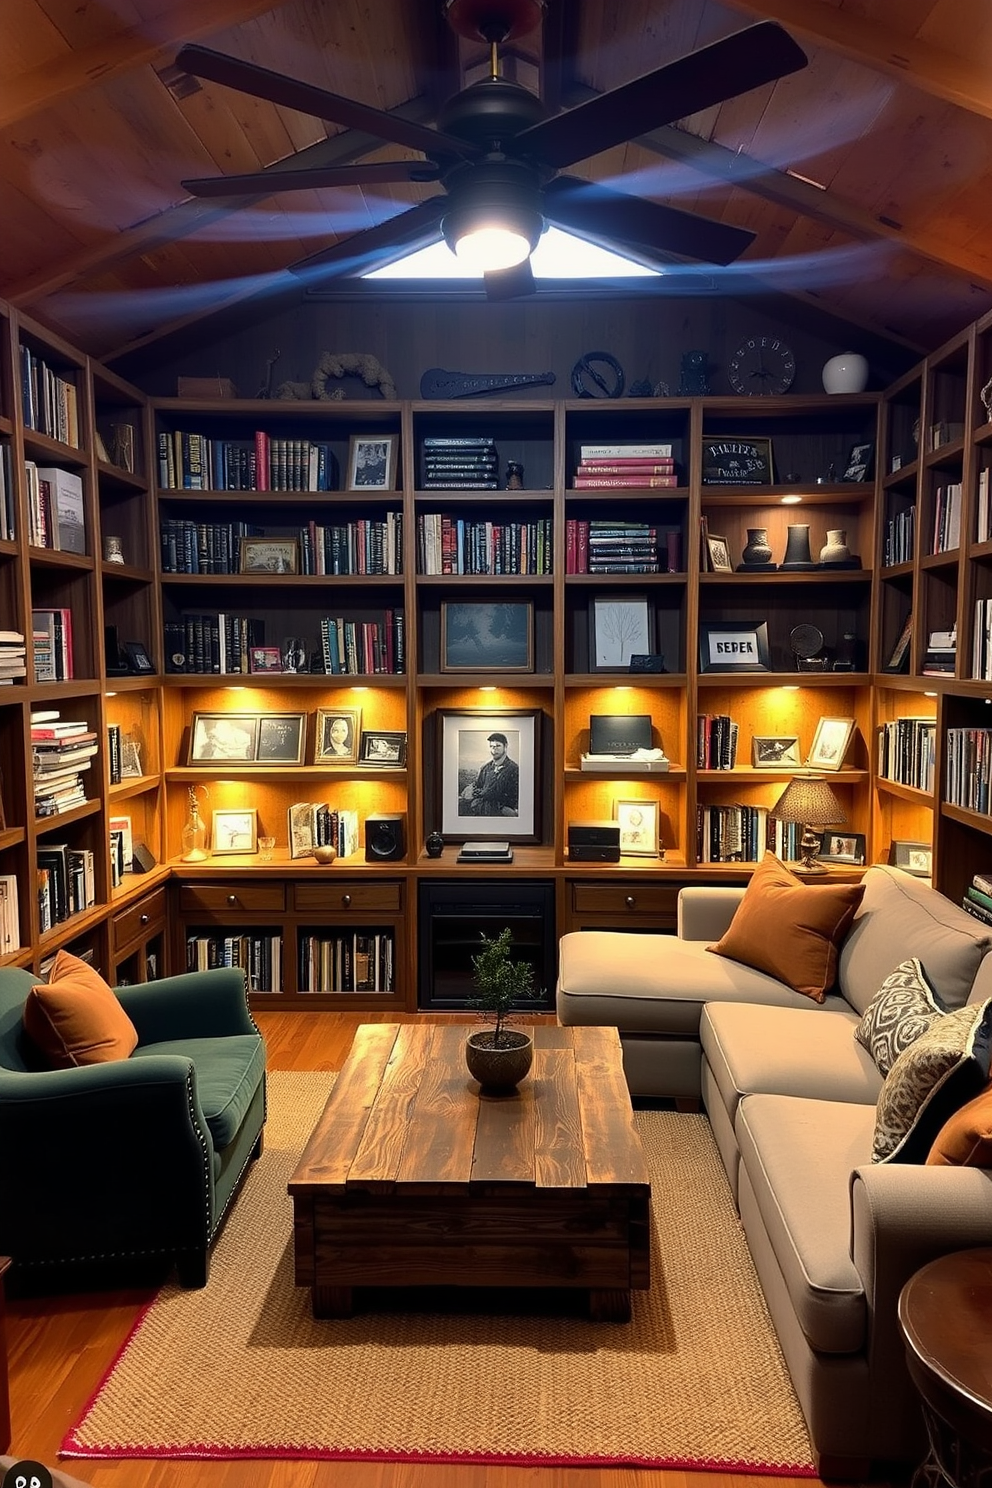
(639, 823)
(234, 831)
(719, 551)
(775, 752)
(282, 739)
(842, 847)
(731, 461)
(734, 648)
(899, 656)
(859, 462)
(264, 659)
(383, 747)
(223, 736)
(913, 857)
(269, 555)
(830, 743)
(372, 462)
(338, 733)
(137, 657)
(487, 636)
(619, 627)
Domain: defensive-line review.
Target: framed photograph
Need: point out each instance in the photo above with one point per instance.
(234, 831)
(899, 657)
(639, 825)
(487, 636)
(859, 462)
(488, 765)
(383, 747)
(269, 555)
(842, 847)
(223, 736)
(619, 627)
(282, 739)
(830, 743)
(130, 757)
(264, 659)
(775, 752)
(914, 857)
(338, 733)
(719, 551)
(730, 461)
(137, 657)
(734, 648)
(372, 462)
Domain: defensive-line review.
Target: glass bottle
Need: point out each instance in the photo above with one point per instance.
(194, 832)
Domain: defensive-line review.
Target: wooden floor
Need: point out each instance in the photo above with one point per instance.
(60, 1348)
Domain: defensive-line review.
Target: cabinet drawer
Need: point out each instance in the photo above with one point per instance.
(332, 898)
(230, 898)
(625, 898)
(139, 919)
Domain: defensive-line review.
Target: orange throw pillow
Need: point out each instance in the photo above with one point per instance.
(965, 1139)
(790, 929)
(74, 1018)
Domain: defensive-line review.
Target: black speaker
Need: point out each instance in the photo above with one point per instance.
(385, 838)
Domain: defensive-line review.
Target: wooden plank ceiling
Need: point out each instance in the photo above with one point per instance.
(865, 176)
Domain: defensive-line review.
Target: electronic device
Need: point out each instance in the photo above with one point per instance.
(619, 733)
(385, 837)
(485, 852)
(646, 662)
(594, 842)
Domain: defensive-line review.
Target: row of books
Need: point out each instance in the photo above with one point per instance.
(906, 752)
(10, 915)
(364, 647)
(968, 768)
(602, 546)
(978, 898)
(899, 541)
(983, 512)
(947, 518)
(366, 546)
(317, 824)
(51, 632)
(348, 961)
(56, 516)
(66, 882)
(716, 741)
(258, 954)
(13, 653)
(191, 461)
(48, 398)
(453, 545)
(981, 641)
(8, 529)
(465, 463)
(214, 643)
(203, 547)
(741, 834)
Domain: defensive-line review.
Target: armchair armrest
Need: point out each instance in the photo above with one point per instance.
(705, 910)
(196, 1004)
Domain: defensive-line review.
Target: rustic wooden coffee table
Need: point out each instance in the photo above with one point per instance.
(412, 1178)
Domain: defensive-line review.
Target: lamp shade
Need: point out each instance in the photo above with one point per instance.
(808, 799)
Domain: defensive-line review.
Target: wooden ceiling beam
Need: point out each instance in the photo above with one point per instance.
(958, 80)
(61, 78)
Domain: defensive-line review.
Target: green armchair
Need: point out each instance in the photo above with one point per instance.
(138, 1158)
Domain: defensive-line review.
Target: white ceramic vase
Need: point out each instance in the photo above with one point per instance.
(846, 373)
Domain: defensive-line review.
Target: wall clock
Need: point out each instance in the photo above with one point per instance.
(762, 366)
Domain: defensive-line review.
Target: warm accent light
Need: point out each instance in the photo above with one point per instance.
(809, 802)
(791, 500)
(488, 248)
(495, 218)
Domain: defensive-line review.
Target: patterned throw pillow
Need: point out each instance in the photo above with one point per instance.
(904, 1006)
(931, 1080)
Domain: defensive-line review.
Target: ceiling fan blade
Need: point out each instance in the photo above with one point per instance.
(611, 217)
(269, 182)
(260, 82)
(364, 250)
(510, 284)
(759, 54)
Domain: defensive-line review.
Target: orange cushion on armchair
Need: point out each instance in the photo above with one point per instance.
(74, 1018)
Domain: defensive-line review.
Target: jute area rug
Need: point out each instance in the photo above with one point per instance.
(241, 1369)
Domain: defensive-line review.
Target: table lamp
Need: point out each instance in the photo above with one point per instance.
(809, 801)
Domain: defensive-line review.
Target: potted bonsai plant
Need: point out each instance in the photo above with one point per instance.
(499, 1057)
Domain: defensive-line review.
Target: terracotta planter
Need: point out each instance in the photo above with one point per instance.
(499, 1069)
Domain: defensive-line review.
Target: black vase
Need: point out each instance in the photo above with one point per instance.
(434, 845)
(797, 550)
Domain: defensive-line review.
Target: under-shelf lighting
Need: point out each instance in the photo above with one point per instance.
(791, 500)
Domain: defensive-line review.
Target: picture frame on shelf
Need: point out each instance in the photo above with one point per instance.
(282, 739)
(264, 659)
(775, 752)
(732, 647)
(719, 553)
(130, 757)
(339, 732)
(640, 825)
(487, 636)
(830, 743)
(372, 462)
(488, 764)
(620, 626)
(231, 738)
(899, 655)
(234, 831)
(859, 462)
(732, 461)
(838, 846)
(913, 857)
(269, 555)
(383, 748)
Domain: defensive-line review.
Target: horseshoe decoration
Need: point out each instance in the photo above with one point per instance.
(589, 382)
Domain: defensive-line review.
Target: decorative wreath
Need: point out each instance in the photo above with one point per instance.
(332, 364)
(585, 372)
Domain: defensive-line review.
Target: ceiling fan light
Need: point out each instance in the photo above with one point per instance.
(491, 247)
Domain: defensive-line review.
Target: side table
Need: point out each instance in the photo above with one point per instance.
(945, 1313)
(4, 1386)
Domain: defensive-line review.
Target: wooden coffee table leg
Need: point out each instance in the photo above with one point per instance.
(609, 1305)
(331, 1301)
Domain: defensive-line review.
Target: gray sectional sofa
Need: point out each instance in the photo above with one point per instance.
(791, 1097)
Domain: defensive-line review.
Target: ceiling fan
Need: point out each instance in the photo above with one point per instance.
(498, 154)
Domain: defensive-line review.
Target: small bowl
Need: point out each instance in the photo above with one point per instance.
(325, 854)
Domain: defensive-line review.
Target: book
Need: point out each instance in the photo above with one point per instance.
(68, 529)
(619, 482)
(663, 451)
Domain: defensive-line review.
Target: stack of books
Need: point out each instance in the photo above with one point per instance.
(942, 649)
(460, 463)
(66, 882)
(608, 466)
(12, 656)
(978, 898)
(61, 751)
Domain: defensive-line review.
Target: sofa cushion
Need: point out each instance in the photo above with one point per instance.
(74, 1018)
(904, 1006)
(791, 929)
(933, 1078)
(902, 916)
(965, 1139)
(799, 1156)
(228, 1072)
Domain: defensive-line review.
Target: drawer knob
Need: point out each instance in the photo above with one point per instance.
(629, 901)
(346, 900)
(144, 919)
(232, 898)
